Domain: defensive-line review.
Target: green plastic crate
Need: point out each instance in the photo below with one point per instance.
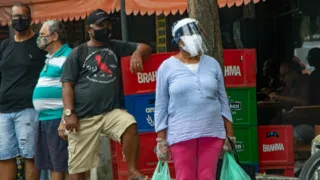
(247, 144)
(243, 105)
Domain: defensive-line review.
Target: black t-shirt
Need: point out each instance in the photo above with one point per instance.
(97, 77)
(314, 89)
(20, 66)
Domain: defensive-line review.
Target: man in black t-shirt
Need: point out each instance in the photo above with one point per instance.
(91, 89)
(20, 64)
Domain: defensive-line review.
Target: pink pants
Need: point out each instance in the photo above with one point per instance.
(196, 159)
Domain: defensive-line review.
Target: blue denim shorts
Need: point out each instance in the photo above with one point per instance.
(17, 134)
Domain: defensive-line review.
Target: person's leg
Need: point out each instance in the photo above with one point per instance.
(42, 157)
(26, 128)
(84, 148)
(58, 150)
(184, 156)
(130, 146)
(8, 147)
(121, 127)
(209, 150)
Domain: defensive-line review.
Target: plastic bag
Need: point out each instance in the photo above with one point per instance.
(162, 172)
(231, 169)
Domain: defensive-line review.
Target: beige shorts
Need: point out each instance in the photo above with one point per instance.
(84, 145)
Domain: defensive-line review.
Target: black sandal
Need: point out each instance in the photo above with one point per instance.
(142, 178)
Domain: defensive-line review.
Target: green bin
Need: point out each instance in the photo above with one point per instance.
(243, 105)
(247, 144)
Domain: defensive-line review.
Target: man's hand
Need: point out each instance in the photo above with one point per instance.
(62, 131)
(136, 62)
(72, 123)
(267, 91)
(274, 96)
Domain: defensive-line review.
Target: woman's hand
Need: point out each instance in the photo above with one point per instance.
(230, 133)
(227, 145)
(162, 150)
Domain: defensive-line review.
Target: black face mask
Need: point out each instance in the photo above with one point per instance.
(20, 25)
(102, 35)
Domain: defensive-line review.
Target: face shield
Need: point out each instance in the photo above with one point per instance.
(190, 37)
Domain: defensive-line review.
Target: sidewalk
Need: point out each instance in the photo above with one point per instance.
(270, 177)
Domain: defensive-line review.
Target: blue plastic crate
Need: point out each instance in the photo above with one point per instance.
(142, 108)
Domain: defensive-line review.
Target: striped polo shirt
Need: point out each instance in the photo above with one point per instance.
(47, 95)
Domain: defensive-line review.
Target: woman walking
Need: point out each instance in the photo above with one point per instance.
(192, 115)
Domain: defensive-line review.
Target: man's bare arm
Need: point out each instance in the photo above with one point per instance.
(144, 50)
(68, 95)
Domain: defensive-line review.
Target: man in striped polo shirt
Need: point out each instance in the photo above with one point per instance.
(51, 151)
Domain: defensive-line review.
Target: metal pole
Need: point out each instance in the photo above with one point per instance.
(124, 22)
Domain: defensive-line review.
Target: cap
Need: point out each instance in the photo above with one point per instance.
(97, 17)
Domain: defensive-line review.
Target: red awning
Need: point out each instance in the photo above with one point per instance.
(156, 6)
(229, 3)
(75, 9)
(58, 9)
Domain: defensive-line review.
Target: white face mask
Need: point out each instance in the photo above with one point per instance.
(192, 44)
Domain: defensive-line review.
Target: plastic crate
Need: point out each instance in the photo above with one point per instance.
(275, 145)
(147, 156)
(284, 170)
(145, 81)
(240, 68)
(142, 108)
(113, 151)
(243, 106)
(247, 144)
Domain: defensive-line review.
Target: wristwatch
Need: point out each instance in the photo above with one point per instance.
(68, 112)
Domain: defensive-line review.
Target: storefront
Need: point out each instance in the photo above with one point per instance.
(277, 29)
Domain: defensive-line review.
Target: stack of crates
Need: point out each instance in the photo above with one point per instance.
(240, 81)
(276, 150)
(139, 100)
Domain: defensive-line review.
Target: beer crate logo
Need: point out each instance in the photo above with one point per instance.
(236, 105)
(148, 77)
(232, 70)
(150, 112)
(239, 146)
(273, 147)
(272, 134)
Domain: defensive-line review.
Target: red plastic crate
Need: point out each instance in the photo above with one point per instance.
(147, 156)
(275, 145)
(115, 174)
(240, 71)
(145, 81)
(240, 68)
(113, 151)
(285, 170)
